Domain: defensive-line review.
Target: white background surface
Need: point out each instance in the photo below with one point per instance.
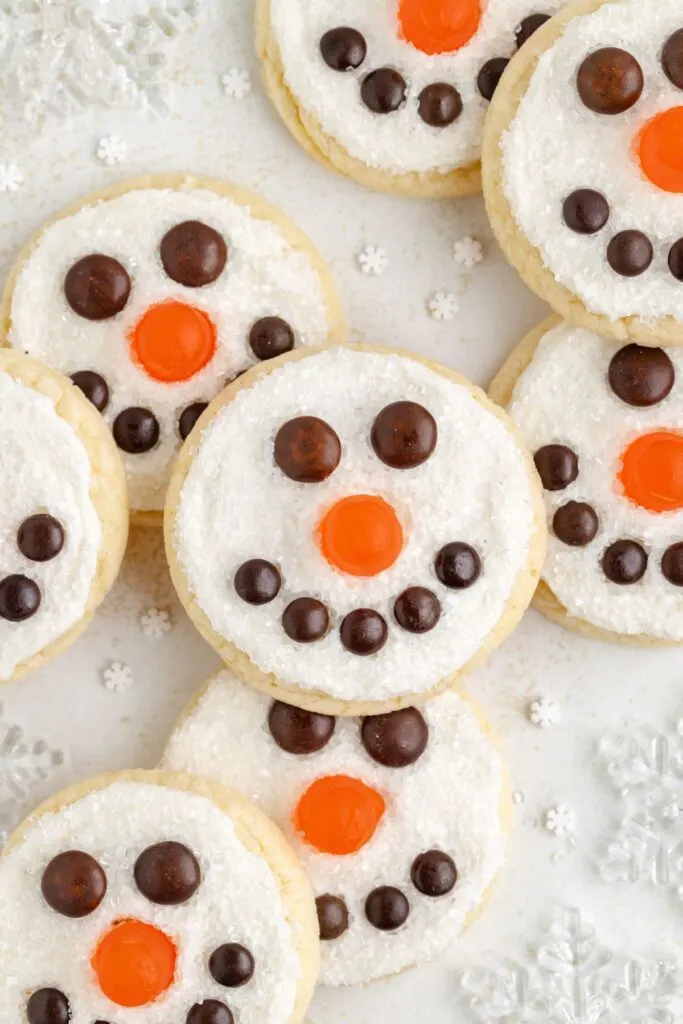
(603, 690)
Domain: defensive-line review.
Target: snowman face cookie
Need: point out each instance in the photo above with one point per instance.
(154, 298)
(585, 171)
(63, 517)
(397, 818)
(155, 898)
(605, 424)
(393, 92)
(354, 523)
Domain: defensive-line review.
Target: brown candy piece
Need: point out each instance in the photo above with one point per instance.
(193, 254)
(363, 631)
(210, 1012)
(672, 564)
(586, 211)
(396, 739)
(575, 524)
(630, 253)
(557, 465)
(271, 336)
(48, 1006)
(258, 581)
(676, 259)
(387, 908)
(167, 874)
(343, 48)
(307, 450)
(641, 376)
(93, 386)
(528, 27)
(624, 562)
(97, 287)
(457, 565)
(20, 598)
(305, 620)
(333, 917)
(417, 610)
(40, 537)
(297, 731)
(136, 430)
(490, 75)
(672, 58)
(232, 965)
(610, 81)
(383, 91)
(189, 417)
(439, 104)
(404, 435)
(434, 873)
(74, 884)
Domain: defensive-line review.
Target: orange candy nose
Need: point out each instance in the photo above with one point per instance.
(134, 963)
(361, 535)
(173, 341)
(438, 26)
(652, 471)
(338, 814)
(661, 150)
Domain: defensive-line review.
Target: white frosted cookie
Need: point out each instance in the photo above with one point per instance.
(583, 167)
(153, 294)
(605, 424)
(63, 515)
(351, 527)
(399, 819)
(393, 95)
(150, 897)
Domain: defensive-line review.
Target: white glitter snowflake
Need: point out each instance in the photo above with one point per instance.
(518, 797)
(468, 252)
(156, 623)
(24, 763)
(571, 979)
(647, 771)
(11, 178)
(112, 150)
(236, 83)
(561, 820)
(544, 712)
(373, 260)
(443, 305)
(118, 677)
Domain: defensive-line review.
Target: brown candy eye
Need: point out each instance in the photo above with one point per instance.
(74, 884)
(586, 211)
(189, 417)
(676, 259)
(232, 965)
(97, 287)
(557, 465)
(417, 610)
(383, 91)
(457, 565)
(624, 562)
(434, 874)
(528, 27)
(20, 598)
(210, 1012)
(404, 435)
(363, 632)
(439, 105)
(270, 337)
(343, 49)
(193, 254)
(93, 386)
(307, 450)
(387, 908)
(257, 581)
(641, 376)
(630, 253)
(305, 620)
(48, 1006)
(167, 874)
(136, 430)
(490, 75)
(672, 59)
(299, 732)
(40, 538)
(610, 81)
(575, 524)
(397, 739)
(672, 564)
(333, 917)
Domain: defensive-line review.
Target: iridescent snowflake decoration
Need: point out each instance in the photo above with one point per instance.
(443, 305)
(561, 820)
(236, 83)
(11, 178)
(544, 712)
(118, 677)
(112, 150)
(156, 623)
(373, 260)
(468, 252)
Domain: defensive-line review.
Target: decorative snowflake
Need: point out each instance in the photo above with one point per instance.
(112, 150)
(561, 820)
(467, 252)
(373, 260)
(11, 178)
(156, 623)
(518, 797)
(647, 771)
(118, 677)
(573, 980)
(24, 763)
(544, 712)
(443, 305)
(236, 83)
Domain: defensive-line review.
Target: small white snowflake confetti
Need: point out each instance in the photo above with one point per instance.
(373, 260)
(561, 820)
(544, 712)
(467, 252)
(518, 797)
(112, 150)
(11, 178)
(236, 83)
(156, 623)
(118, 677)
(443, 305)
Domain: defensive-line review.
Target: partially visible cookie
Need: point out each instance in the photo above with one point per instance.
(63, 515)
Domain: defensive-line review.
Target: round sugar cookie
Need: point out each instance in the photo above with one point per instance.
(147, 897)
(605, 425)
(399, 819)
(155, 293)
(392, 94)
(352, 527)
(63, 516)
(583, 168)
